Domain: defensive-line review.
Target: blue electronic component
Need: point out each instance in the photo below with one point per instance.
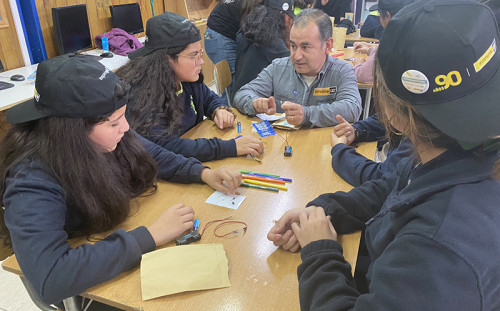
(288, 151)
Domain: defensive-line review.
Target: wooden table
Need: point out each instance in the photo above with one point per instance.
(356, 37)
(262, 276)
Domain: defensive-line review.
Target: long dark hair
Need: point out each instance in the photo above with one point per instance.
(417, 128)
(97, 186)
(153, 95)
(264, 26)
(247, 6)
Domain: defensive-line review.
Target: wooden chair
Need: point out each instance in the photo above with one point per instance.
(223, 78)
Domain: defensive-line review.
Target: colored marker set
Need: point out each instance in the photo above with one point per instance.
(264, 181)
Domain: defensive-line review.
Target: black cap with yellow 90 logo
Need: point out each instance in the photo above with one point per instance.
(441, 56)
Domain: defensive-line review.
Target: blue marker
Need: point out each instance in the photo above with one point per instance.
(239, 126)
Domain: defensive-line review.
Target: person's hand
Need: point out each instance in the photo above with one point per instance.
(171, 223)
(223, 118)
(358, 61)
(281, 233)
(314, 226)
(361, 47)
(294, 113)
(265, 105)
(221, 179)
(343, 132)
(247, 144)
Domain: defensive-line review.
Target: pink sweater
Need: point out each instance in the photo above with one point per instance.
(364, 71)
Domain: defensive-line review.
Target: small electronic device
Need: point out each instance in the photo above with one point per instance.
(188, 238)
(107, 54)
(127, 17)
(193, 236)
(5, 85)
(288, 151)
(17, 78)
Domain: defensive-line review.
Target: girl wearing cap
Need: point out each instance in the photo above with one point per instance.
(69, 167)
(431, 227)
(168, 96)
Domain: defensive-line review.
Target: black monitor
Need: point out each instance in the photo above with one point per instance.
(71, 28)
(127, 17)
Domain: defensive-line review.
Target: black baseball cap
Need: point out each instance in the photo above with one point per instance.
(442, 57)
(285, 6)
(72, 86)
(165, 31)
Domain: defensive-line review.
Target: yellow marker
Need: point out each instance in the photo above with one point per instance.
(267, 184)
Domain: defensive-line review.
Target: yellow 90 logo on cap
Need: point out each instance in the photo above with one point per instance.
(453, 78)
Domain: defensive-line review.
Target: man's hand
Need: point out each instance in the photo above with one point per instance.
(314, 226)
(264, 105)
(223, 118)
(294, 113)
(343, 132)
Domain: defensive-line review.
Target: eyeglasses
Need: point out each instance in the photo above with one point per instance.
(196, 57)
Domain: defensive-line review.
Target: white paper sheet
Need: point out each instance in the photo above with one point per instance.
(272, 117)
(224, 200)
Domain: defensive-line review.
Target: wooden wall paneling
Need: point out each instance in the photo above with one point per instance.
(44, 8)
(10, 50)
(147, 13)
(159, 8)
(99, 17)
(176, 6)
(97, 12)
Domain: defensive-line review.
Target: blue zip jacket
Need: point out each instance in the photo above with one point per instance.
(431, 233)
(355, 168)
(198, 101)
(38, 220)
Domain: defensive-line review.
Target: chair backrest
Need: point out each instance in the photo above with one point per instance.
(222, 76)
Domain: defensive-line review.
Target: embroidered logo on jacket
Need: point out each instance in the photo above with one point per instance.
(325, 91)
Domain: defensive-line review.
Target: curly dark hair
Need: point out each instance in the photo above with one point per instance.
(153, 96)
(97, 186)
(264, 25)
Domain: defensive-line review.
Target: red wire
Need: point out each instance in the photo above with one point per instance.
(211, 222)
(231, 232)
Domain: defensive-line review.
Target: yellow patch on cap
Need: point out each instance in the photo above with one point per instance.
(486, 57)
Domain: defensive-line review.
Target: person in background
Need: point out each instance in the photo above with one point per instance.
(426, 222)
(364, 69)
(299, 5)
(334, 8)
(309, 86)
(69, 166)
(372, 28)
(222, 26)
(168, 96)
(263, 37)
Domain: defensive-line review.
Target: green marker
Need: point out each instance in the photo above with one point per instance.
(253, 173)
